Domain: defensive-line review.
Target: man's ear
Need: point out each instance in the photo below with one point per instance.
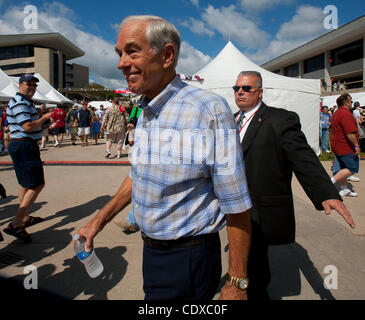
(168, 55)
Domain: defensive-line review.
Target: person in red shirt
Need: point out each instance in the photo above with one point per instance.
(345, 143)
(58, 119)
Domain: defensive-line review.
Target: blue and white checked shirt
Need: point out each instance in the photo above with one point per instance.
(22, 110)
(187, 164)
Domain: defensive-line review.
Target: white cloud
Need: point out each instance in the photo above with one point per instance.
(195, 2)
(306, 25)
(256, 6)
(198, 27)
(233, 25)
(99, 56)
(191, 60)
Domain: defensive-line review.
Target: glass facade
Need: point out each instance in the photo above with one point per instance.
(55, 70)
(16, 52)
(314, 64)
(292, 71)
(349, 52)
(18, 66)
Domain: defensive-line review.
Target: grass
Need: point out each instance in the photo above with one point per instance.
(330, 156)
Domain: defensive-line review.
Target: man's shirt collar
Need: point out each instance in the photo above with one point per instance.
(157, 104)
(251, 111)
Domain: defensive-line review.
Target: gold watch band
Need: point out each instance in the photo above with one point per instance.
(241, 283)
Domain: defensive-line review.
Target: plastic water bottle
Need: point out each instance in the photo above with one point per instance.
(93, 265)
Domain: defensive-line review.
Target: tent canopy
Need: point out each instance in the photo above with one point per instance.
(9, 86)
(299, 95)
(46, 93)
(330, 101)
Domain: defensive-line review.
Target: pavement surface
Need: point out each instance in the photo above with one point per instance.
(326, 251)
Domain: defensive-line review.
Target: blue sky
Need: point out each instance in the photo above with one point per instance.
(261, 29)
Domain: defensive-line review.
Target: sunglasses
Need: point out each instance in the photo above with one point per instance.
(244, 88)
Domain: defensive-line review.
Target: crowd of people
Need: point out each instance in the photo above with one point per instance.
(178, 203)
(342, 127)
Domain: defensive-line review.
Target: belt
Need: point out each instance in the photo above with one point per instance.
(22, 139)
(179, 243)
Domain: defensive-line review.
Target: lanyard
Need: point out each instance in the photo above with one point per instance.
(246, 120)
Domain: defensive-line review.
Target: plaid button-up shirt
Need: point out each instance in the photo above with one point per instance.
(187, 164)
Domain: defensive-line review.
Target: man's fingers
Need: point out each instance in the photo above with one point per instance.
(341, 209)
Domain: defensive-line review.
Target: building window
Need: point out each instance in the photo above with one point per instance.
(314, 64)
(69, 84)
(18, 66)
(292, 71)
(55, 70)
(16, 52)
(69, 76)
(349, 52)
(69, 67)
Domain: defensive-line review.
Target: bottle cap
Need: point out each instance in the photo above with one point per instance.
(76, 237)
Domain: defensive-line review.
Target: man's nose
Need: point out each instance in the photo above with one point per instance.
(124, 61)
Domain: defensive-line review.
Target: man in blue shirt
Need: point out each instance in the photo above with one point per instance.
(325, 127)
(188, 177)
(25, 131)
(84, 122)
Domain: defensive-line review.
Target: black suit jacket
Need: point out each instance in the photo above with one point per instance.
(274, 147)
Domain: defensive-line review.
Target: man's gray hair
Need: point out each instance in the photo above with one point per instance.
(158, 33)
(253, 74)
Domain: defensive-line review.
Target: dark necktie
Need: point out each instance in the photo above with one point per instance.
(240, 121)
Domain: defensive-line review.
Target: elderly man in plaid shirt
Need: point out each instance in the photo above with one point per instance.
(188, 177)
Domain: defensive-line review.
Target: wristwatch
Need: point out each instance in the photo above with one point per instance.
(241, 283)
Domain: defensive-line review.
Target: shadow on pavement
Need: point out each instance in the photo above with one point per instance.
(74, 280)
(286, 262)
(8, 212)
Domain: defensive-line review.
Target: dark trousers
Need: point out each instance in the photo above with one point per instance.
(258, 268)
(189, 273)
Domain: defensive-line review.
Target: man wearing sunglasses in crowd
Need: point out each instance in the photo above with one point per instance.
(274, 147)
(25, 131)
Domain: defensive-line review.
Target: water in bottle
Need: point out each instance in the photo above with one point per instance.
(93, 265)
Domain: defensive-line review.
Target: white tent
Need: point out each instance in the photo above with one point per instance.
(299, 95)
(330, 101)
(9, 87)
(96, 104)
(47, 92)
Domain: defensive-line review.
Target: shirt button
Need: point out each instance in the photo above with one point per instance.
(136, 206)
(139, 178)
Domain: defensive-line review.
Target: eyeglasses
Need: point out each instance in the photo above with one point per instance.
(244, 88)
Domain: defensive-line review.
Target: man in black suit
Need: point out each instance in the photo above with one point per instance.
(274, 147)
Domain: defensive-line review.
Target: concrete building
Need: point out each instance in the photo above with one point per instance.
(336, 57)
(44, 53)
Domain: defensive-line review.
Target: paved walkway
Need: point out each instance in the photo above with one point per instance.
(74, 193)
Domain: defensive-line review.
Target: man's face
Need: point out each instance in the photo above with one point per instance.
(28, 88)
(247, 100)
(325, 110)
(142, 68)
(348, 103)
